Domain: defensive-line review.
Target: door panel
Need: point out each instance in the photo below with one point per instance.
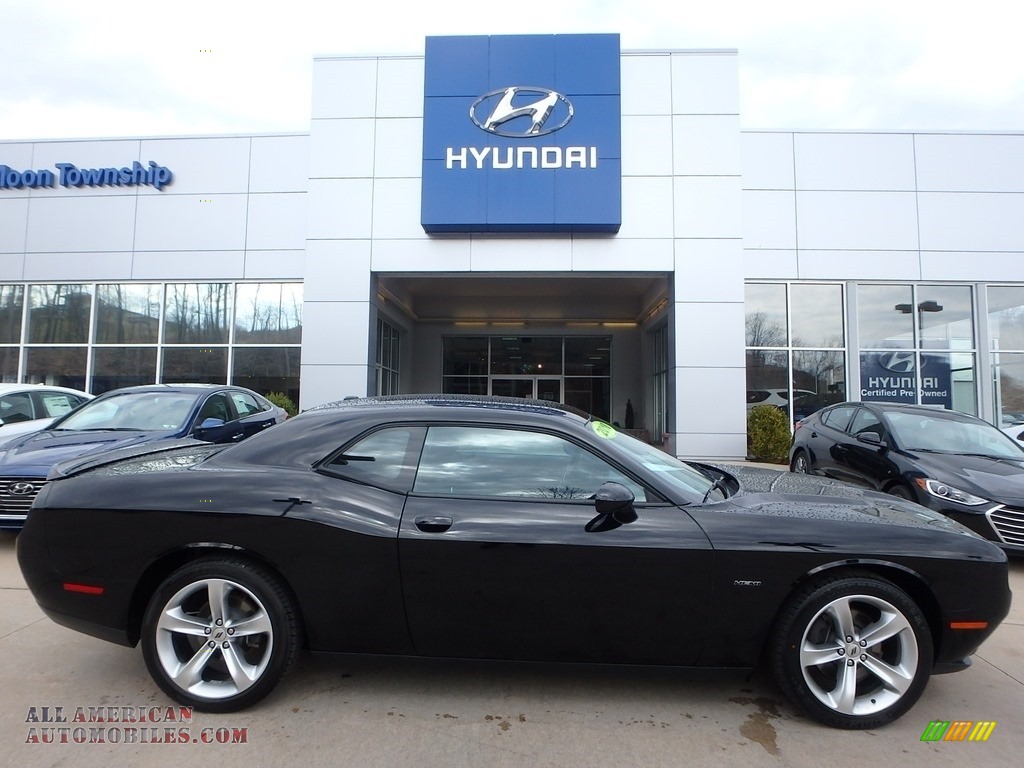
(496, 562)
(523, 580)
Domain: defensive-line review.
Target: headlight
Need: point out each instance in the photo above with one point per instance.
(949, 492)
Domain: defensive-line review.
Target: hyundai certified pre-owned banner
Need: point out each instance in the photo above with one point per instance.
(522, 133)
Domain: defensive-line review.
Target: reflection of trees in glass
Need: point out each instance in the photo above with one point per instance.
(820, 370)
(12, 302)
(128, 314)
(268, 313)
(197, 313)
(59, 313)
(764, 331)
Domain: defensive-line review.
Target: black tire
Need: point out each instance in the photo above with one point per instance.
(883, 633)
(800, 463)
(220, 659)
(901, 491)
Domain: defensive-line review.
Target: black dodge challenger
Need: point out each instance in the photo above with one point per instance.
(506, 529)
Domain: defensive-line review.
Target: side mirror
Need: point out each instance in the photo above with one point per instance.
(202, 432)
(614, 505)
(870, 438)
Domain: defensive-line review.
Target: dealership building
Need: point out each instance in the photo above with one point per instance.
(535, 216)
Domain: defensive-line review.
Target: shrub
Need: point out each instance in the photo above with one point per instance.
(282, 400)
(768, 435)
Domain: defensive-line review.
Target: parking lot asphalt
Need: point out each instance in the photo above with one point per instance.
(350, 711)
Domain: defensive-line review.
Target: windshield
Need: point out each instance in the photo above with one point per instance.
(136, 411)
(689, 481)
(921, 432)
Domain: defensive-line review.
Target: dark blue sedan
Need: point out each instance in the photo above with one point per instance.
(124, 418)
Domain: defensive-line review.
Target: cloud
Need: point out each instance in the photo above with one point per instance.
(116, 68)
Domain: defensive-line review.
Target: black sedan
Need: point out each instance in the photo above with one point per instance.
(123, 418)
(512, 529)
(953, 463)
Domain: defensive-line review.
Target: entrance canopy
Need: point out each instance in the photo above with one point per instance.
(546, 297)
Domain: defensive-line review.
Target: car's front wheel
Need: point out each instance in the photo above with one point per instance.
(853, 651)
(800, 464)
(219, 634)
(901, 491)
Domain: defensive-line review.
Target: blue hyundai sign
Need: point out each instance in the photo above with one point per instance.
(522, 133)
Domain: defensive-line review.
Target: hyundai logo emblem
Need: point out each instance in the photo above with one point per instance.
(505, 112)
(898, 362)
(21, 489)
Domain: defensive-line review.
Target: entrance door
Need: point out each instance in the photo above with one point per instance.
(539, 387)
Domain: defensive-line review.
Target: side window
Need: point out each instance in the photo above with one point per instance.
(385, 459)
(838, 417)
(56, 403)
(489, 462)
(15, 407)
(215, 407)
(246, 404)
(865, 421)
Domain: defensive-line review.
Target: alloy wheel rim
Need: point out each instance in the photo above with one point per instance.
(858, 655)
(214, 639)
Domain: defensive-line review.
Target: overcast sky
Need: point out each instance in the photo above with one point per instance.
(111, 68)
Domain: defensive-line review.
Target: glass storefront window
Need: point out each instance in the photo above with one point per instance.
(9, 363)
(59, 314)
(59, 366)
(268, 369)
(885, 316)
(588, 356)
(12, 303)
(1006, 332)
(797, 365)
(128, 313)
(946, 316)
(1009, 387)
(386, 367)
(204, 365)
(819, 379)
(465, 385)
(904, 324)
(465, 356)
(817, 314)
(526, 355)
(197, 313)
(268, 313)
(1006, 317)
(121, 327)
(532, 366)
(766, 324)
(116, 367)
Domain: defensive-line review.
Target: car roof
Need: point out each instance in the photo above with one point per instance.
(5, 388)
(922, 410)
(487, 402)
(187, 388)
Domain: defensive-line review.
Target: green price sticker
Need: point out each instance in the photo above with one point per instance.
(607, 431)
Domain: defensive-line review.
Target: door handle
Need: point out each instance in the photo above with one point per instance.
(433, 523)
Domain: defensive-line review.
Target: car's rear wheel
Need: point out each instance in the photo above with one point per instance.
(800, 463)
(219, 634)
(852, 651)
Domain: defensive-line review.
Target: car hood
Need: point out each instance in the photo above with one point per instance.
(33, 455)
(1000, 480)
(785, 494)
